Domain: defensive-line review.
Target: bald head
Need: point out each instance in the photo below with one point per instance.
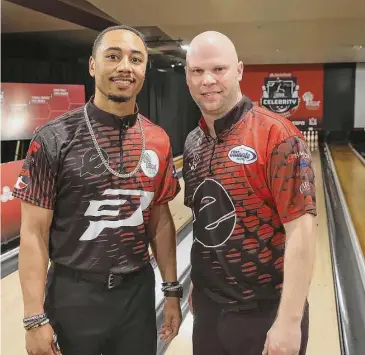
(213, 73)
(212, 44)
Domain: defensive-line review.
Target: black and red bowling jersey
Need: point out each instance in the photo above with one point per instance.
(100, 220)
(242, 188)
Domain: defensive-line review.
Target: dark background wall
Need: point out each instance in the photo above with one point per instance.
(339, 97)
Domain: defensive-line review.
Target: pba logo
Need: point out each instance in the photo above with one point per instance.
(280, 94)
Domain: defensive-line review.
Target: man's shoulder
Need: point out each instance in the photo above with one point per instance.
(153, 128)
(274, 120)
(193, 137)
(60, 126)
(275, 127)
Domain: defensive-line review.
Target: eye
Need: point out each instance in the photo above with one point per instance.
(219, 69)
(136, 60)
(112, 56)
(197, 71)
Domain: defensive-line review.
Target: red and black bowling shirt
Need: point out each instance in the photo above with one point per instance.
(242, 188)
(100, 220)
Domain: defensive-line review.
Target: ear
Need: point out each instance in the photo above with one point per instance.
(240, 70)
(92, 66)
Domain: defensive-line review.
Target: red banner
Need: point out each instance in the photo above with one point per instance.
(294, 91)
(24, 107)
(10, 206)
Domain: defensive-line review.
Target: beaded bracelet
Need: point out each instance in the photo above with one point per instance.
(170, 283)
(35, 317)
(35, 321)
(36, 324)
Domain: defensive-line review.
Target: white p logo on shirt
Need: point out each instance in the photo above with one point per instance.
(95, 228)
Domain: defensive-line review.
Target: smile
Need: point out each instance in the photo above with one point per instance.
(123, 83)
(212, 93)
(120, 81)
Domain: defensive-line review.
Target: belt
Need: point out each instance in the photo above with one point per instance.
(111, 280)
(250, 306)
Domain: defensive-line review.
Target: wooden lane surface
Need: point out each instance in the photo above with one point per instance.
(178, 161)
(351, 173)
(12, 332)
(323, 332)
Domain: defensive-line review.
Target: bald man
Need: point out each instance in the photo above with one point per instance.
(250, 184)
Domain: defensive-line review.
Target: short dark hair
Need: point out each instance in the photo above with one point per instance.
(100, 36)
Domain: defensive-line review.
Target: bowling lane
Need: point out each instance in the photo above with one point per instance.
(351, 173)
(323, 332)
(323, 328)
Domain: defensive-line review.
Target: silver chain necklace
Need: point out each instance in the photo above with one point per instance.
(102, 156)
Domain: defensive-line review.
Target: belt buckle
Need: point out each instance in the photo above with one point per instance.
(111, 281)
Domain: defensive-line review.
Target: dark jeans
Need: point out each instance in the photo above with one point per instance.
(90, 319)
(218, 332)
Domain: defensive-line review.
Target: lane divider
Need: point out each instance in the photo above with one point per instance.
(357, 153)
(350, 225)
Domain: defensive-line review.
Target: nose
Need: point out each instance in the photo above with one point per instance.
(208, 79)
(124, 65)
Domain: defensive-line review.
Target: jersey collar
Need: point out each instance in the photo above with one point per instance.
(229, 119)
(109, 119)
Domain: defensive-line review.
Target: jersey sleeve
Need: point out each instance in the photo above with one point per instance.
(36, 182)
(169, 185)
(292, 180)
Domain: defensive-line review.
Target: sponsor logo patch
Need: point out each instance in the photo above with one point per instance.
(242, 155)
(150, 163)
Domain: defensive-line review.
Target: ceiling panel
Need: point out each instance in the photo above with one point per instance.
(285, 31)
(15, 18)
(146, 12)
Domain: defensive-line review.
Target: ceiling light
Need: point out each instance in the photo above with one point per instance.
(357, 47)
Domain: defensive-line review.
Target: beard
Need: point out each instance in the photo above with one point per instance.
(114, 98)
(118, 98)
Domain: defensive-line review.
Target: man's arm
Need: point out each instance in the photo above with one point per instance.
(292, 183)
(34, 256)
(163, 244)
(299, 258)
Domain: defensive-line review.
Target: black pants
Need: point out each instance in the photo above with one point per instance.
(90, 319)
(218, 332)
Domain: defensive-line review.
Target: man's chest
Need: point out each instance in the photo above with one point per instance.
(233, 163)
(110, 175)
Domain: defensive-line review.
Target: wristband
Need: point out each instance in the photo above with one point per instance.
(178, 293)
(172, 289)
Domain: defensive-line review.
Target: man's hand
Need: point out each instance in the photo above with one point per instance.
(172, 319)
(283, 338)
(39, 341)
